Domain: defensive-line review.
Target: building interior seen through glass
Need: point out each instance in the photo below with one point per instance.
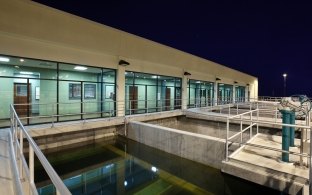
(200, 93)
(45, 88)
(240, 93)
(225, 93)
(58, 91)
(151, 93)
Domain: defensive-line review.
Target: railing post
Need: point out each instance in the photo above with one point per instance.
(229, 109)
(110, 111)
(236, 108)
(275, 114)
(130, 107)
(257, 120)
(21, 137)
(146, 106)
(52, 118)
(226, 140)
(241, 129)
(250, 134)
(310, 160)
(15, 129)
(31, 165)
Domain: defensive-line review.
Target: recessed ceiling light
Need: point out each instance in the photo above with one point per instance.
(154, 76)
(4, 59)
(26, 72)
(80, 68)
(22, 60)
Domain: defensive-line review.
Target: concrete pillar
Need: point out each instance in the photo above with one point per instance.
(233, 96)
(215, 95)
(120, 91)
(185, 95)
(246, 93)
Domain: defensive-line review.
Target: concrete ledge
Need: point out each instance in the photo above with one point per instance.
(200, 148)
(265, 177)
(81, 125)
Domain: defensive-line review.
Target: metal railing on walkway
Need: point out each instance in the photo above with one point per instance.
(248, 117)
(23, 171)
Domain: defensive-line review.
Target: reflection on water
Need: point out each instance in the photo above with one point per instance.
(127, 167)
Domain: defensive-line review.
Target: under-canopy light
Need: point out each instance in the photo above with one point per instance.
(80, 68)
(4, 59)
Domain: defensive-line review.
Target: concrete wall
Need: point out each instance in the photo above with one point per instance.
(65, 139)
(200, 148)
(33, 30)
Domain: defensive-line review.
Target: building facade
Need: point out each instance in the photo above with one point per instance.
(56, 64)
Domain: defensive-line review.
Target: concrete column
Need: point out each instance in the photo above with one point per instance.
(233, 96)
(215, 95)
(185, 95)
(120, 91)
(246, 93)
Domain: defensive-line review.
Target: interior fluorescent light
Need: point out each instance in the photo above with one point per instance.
(197, 81)
(22, 60)
(80, 68)
(4, 59)
(26, 72)
(154, 169)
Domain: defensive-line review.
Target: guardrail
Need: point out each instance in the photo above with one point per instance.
(24, 171)
(59, 112)
(247, 117)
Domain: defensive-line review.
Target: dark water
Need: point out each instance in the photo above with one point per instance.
(122, 166)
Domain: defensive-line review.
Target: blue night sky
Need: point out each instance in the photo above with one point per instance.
(261, 38)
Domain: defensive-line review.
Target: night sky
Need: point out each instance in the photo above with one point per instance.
(258, 38)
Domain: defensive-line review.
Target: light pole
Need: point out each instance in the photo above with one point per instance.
(284, 75)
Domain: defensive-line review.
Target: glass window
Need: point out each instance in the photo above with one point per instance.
(129, 77)
(33, 85)
(200, 93)
(27, 68)
(79, 73)
(225, 93)
(151, 93)
(145, 79)
(240, 93)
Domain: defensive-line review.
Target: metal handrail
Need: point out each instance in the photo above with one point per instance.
(17, 127)
(17, 181)
(257, 122)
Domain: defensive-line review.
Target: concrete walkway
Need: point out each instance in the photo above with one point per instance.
(265, 167)
(6, 178)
